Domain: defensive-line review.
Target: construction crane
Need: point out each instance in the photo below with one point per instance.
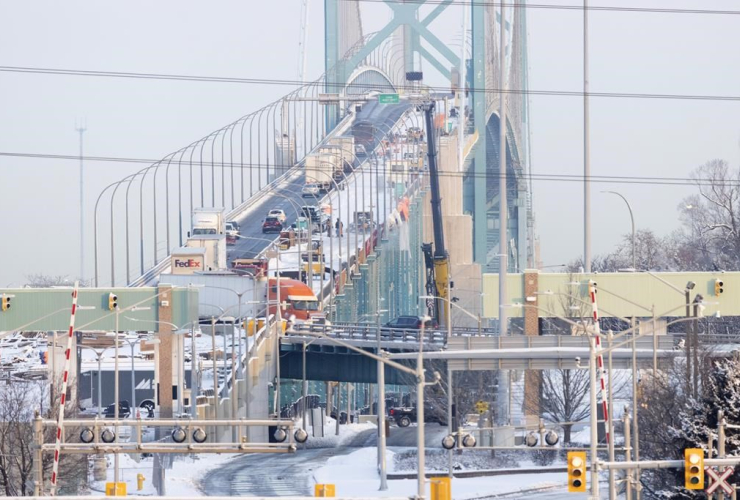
(437, 261)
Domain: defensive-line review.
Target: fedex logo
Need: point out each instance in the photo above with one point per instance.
(187, 263)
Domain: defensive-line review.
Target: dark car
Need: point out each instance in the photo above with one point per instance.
(406, 328)
(411, 323)
(405, 416)
(272, 225)
(124, 410)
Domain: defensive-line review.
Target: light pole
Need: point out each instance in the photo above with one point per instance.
(632, 219)
(449, 371)
(178, 330)
(586, 150)
(331, 240)
(234, 394)
(417, 373)
(477, 318)
(99, 359)
(132, 341)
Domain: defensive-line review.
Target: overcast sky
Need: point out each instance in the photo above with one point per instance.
(630, 52)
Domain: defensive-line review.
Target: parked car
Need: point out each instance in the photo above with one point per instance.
(124, 410)
(278, 214)
(272, 225)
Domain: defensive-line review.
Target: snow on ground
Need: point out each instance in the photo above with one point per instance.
(348, 434)
(356, 475)
(181, 480)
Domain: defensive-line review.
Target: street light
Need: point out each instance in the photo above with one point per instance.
(453, 304)
(177, 330)
(418, 373)
(632, 219)
(98, 358)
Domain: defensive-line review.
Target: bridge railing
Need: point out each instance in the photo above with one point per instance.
(369, 333)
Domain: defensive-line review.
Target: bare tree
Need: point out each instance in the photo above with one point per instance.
(564, 398)
(711, 234)
(19, 400)
(45, 281)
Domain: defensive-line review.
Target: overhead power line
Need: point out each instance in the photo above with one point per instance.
(266, 81)
(594, 8)
(554, 177)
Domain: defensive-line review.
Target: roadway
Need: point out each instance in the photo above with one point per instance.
(269, 475)
(275, 475)
(291, 474)
(250, 225)
(406, 436)
(554, 494)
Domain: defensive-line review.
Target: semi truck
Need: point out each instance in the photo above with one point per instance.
(258, 296)
(215, 250)
(323, 166)
(208, 221)
(347, 145)
(364, 133)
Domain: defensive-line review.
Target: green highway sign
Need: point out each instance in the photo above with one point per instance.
(388, 99)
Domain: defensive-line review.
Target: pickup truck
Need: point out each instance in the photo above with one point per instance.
(405, 416)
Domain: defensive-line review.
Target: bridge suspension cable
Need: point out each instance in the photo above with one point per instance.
(443, 89)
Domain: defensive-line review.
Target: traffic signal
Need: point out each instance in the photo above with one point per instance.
(718, 287)
(5, 303)
(112, 301)
(576, 471)
(694, 468)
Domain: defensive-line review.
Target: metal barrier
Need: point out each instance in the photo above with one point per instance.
(369, 333)
(186, 436)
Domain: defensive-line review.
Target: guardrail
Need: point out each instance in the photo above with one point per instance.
(239, 211)
(552, 341)
(370, 333)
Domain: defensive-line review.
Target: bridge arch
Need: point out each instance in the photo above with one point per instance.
(514, 175)
(365, 79)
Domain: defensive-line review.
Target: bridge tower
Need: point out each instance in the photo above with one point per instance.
(347, 48)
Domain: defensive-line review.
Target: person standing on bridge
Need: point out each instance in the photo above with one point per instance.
(340, 228)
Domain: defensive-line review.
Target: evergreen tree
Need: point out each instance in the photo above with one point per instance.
(698, 421)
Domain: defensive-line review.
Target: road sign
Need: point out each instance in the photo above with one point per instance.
(719, 480)
(388, 99)
(481, 407)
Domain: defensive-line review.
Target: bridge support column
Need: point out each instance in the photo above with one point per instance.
(480, 169)
(334, 78)
(532, 378)
(168, 355)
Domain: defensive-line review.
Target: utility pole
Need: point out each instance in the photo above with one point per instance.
(503, 206)
(81, 130)
(586, 150)
(503, 409)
